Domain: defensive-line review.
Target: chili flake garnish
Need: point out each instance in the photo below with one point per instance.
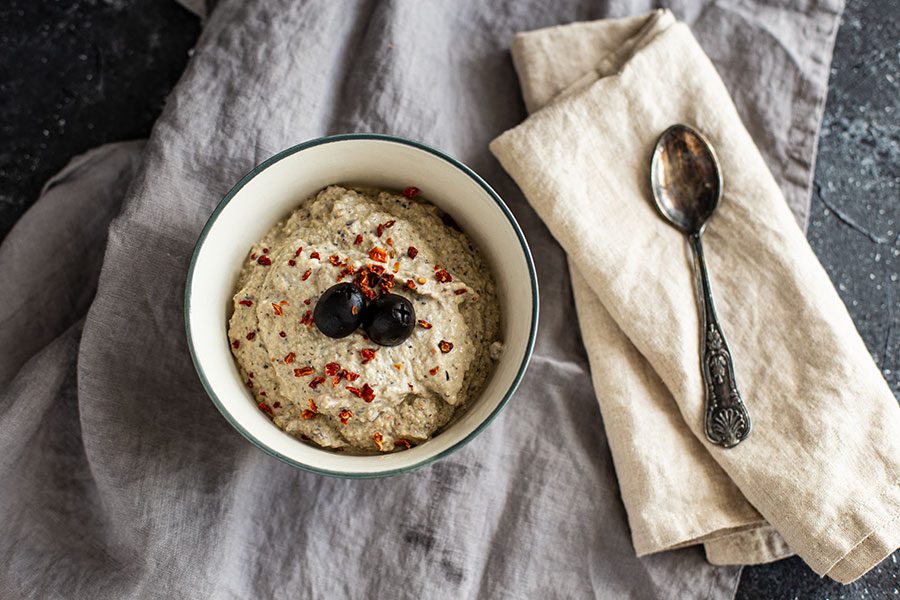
(410, 284)
(353, 390)
(316, 381)
(358, 239)
(460, 291)
(250, 374)
(379, 441)
(377, 269)
(314, 255)
(265, 408)
(425, 324)
(303, 371)
(412, 252)
(264, 260)
(368, 394)
(445, 346)
(306, 274)
(398, 366)
(368, 354)
(396, 267)
(334, 259)
(308, 414)
(289, 358)
(389, 241)
(349, 375)
(378, 254)
(235, 344)
(265, 250)
(278, 310)
(379, 230)
(307, 318)
(403, 442)
(332, 368)
(246, 302)
(411, 191)
(282, 334)
(251, 335)
(292, 263)
(307, 301)
(433, 371)
(299, 250)
(253, 256)
(443, 276)
(345, 416)
(354, 310)
(275, 404)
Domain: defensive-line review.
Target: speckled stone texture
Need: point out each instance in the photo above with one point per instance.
(78, 74)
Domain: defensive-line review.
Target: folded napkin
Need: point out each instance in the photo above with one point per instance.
(820, 473)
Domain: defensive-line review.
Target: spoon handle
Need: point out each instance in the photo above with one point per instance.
(726, 419)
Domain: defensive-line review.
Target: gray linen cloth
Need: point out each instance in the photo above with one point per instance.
(120, 479)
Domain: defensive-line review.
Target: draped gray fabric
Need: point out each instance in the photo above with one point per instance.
(120, 479)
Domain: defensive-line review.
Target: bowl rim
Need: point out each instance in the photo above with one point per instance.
(532, 334)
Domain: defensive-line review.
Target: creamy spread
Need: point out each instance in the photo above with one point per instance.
(350, 394)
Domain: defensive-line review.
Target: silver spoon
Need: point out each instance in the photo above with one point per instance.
(687, 185)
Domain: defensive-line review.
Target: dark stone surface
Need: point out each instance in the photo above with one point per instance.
(78, 74)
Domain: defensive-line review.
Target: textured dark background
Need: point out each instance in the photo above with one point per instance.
(76, 74)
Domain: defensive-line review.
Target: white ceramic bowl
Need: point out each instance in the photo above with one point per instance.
(280, 184)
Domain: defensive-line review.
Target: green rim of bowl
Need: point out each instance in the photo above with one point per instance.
(385, 138)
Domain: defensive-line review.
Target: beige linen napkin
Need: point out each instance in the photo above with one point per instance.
(822, 465)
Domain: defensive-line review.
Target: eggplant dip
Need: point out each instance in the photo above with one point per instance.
(365, 321)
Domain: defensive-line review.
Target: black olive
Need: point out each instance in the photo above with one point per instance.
(389, 320)
(339, 310)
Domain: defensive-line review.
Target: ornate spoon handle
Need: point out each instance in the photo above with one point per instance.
(726, 421)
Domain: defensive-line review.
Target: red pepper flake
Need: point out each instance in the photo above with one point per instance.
(265, 250)
(250, 375)
(246, 302)
(235, 344)
(332, 368)
(263, 394)
(445, 346)
(354, 310)
(410, 284)
(403, 442)
(307, 301)
(334, 259)
(312, 406)
(389, 224)
(412, 252)
(379, 230)
(425, 324)
(299, 250)
(278, 310)
(307, 318)
(396, 267)
(368, 355)
(358, 239)
(353, 390)
(411, 191)
(436, 267)
(276, 404)
(306, 275)
(367, 393)
(378, 254)
(289, 358)
(292, 263)
(282, 334)
(303, 371)
(249, 384)
(390, 240)
(308, 414)
(379, 441)
(251, 335)
(285, 303)
(345, 415)
(264, 260)
(460, 291)
(377, 269)
(398, 366)
(335, 380)
(433, 371)
(387, 283)
(443, 276)
(316, 381)
(265, 408)
(349, 375)
(253, 256)
(315, 255)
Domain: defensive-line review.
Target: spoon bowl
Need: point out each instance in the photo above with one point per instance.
(684, 173)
